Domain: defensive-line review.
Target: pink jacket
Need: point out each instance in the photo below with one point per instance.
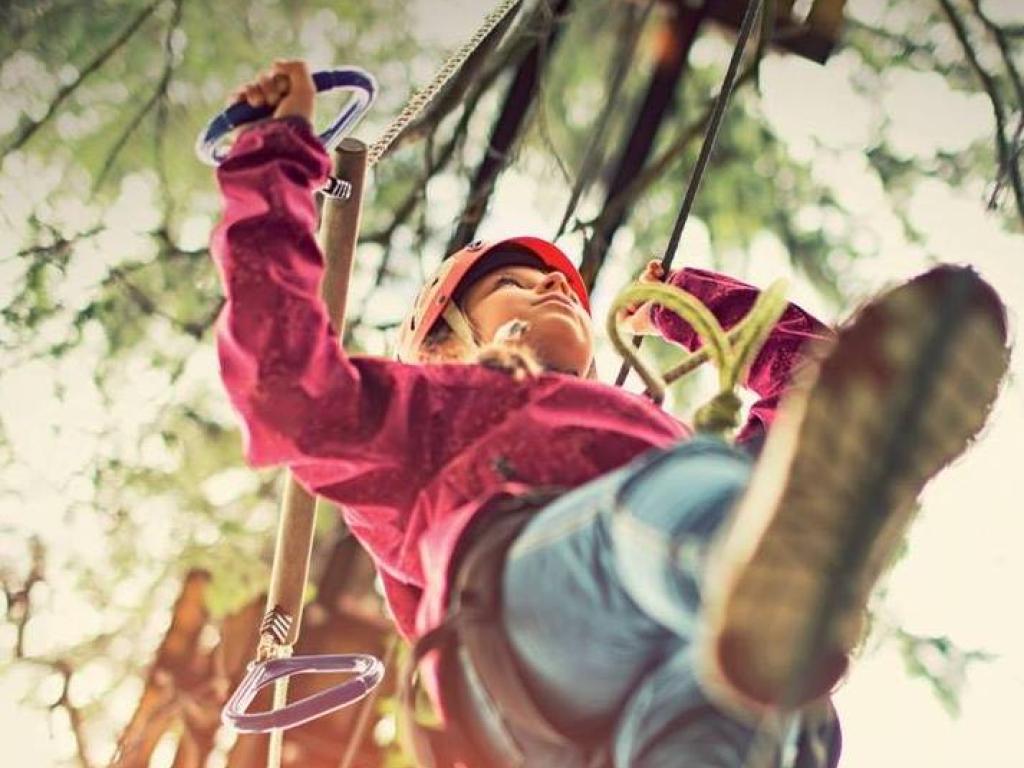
(413, 452)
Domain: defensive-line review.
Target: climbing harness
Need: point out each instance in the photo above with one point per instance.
(491, 708)
(473, 655)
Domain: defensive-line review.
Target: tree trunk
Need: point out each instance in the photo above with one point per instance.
(178, 671)
(188, 686)
(510, 123)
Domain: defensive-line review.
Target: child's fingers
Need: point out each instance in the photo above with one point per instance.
(254, 95)
(300, 95)
(282, 83)
(653, 271)
(287, 88)
(271, 89)
(289, 67)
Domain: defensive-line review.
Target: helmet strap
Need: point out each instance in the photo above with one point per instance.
(460, 325)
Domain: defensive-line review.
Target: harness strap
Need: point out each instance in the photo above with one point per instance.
(477, 598)
(476, 663)
(481, 683)
(432, 746)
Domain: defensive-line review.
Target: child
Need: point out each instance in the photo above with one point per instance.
(621, 621)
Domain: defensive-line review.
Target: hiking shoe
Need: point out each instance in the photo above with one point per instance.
(901, 392)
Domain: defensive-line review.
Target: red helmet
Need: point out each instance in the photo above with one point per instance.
(435, 298)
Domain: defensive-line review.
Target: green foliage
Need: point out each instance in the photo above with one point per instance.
(941, 664)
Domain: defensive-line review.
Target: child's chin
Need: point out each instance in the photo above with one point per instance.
(569, 357)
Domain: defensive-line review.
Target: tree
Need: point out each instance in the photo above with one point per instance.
(124, 488)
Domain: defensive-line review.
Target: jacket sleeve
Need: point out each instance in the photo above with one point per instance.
(782, 355)
(304, 403)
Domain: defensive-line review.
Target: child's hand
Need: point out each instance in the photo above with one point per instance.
(286, 87)
(637, 318)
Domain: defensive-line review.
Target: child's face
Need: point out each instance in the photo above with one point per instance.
(560, 331)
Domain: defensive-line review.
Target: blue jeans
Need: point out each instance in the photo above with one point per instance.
(601, 599)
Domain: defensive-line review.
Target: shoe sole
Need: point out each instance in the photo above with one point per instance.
(902, 392)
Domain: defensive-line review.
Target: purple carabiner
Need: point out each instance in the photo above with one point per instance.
(357, 81)
(369, 671)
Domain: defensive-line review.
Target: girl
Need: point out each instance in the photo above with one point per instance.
(621, 621)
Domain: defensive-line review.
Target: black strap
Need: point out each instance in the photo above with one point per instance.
(477, 665)
(477, 596)
(433, 747)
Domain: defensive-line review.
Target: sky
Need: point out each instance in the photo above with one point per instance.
(962, 566)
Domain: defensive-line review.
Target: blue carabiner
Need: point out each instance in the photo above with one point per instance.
(369, 672)
(355, 79)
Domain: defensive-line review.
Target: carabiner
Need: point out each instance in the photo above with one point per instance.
(369, 671)
(355, 79)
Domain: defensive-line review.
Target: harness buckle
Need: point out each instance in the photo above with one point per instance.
(336, 188)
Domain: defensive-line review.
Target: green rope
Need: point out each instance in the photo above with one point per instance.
(732, 353)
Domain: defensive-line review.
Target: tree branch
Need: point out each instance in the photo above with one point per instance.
(1000, 36)
(543, 127)
(905, 43)
(29, 129)
(627, 197)
(19, 600)
(1008, 162)
(629, 36)
(1018, 88)
(75, 717)
(159, 94)
(512, 118)
(61, 246)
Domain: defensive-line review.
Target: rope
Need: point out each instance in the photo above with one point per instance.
(425, 95)
(732, 353)
(710, 138)
(275, 744)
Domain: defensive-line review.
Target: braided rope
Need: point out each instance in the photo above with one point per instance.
(426, 94)
(731, 352)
